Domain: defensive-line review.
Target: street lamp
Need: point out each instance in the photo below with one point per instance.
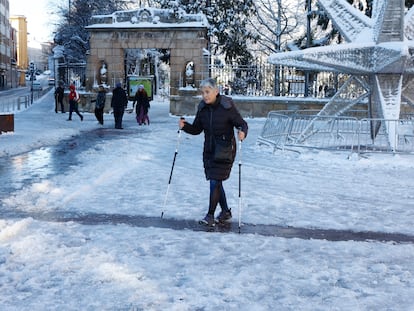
(31, 70)
(308, 43)
(69, 12)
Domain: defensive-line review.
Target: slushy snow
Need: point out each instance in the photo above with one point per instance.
(49, 265)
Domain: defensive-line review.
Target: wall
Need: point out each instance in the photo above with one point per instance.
(186, 104)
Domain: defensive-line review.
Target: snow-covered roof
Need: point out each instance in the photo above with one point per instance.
(148, 18)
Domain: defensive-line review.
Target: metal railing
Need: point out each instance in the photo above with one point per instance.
(264, 79)
(296, 129)
(21, 102)
(402, 131)
(256, 79)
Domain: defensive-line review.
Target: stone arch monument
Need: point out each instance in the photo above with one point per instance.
(184, 35)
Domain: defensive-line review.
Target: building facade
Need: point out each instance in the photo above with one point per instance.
(6, 44)
(19, 23)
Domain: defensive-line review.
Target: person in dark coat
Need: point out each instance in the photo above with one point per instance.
(118, 103)
(100, 104)
(217, 117)
(59, 94)
(143, 104)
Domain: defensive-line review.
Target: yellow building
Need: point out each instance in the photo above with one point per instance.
(19, 22)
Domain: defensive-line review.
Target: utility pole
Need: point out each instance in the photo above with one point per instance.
(69, 12)
(308, 42)
(32, 70)
(278, 43)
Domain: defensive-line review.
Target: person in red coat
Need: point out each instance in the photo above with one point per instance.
(217, 117)
(73, 102)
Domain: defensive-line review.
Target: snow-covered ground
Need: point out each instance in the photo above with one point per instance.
(47, 265)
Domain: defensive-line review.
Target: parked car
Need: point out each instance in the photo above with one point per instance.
(36, 86)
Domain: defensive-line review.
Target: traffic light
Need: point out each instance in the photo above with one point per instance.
(32, 67)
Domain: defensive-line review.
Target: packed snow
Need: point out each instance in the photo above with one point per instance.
(69, 265)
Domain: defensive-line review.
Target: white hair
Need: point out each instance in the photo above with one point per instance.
(210, 82)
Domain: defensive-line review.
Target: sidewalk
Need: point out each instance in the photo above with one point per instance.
(39, 125)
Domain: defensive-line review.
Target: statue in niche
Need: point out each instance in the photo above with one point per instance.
(189, 74)
(103, 74)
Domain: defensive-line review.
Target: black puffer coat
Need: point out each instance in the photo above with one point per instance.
(142, 100)
(119, 99)
(218, 121)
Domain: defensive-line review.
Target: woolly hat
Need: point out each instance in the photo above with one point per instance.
(118, 84)
(140, 87)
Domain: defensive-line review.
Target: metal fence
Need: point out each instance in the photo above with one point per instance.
(13, 104)
(71, 73)
(264, 79)
(296, 129)
(257, 79)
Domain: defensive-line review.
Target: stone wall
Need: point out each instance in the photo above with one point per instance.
(186, 104)
(86, 103)
(187, 101)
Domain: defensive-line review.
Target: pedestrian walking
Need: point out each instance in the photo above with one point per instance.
(143, 105)
(100, 104)
(59, 94)
(118, 103)
(217, 117)
(73, 102)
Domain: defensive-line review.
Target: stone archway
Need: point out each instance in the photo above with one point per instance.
(147, 28)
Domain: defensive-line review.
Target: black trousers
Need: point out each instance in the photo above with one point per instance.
(99, 115)
(73, 107)
(57, 103)
(118, 115)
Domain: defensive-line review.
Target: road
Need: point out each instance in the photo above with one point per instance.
(10, 98)
(20, 91)
(24, 90)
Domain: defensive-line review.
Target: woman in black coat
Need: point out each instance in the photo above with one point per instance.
(143, 104)
(118, 103)
(217, 117)
(100, 105)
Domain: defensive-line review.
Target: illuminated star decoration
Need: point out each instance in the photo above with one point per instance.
(378, 55)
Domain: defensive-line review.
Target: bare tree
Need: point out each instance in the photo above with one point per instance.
(76, 14)
(277, 23)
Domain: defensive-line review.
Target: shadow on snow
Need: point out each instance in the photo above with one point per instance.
(270, 230)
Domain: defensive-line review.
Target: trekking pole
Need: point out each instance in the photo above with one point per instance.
(172, 169)
(240, 197)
